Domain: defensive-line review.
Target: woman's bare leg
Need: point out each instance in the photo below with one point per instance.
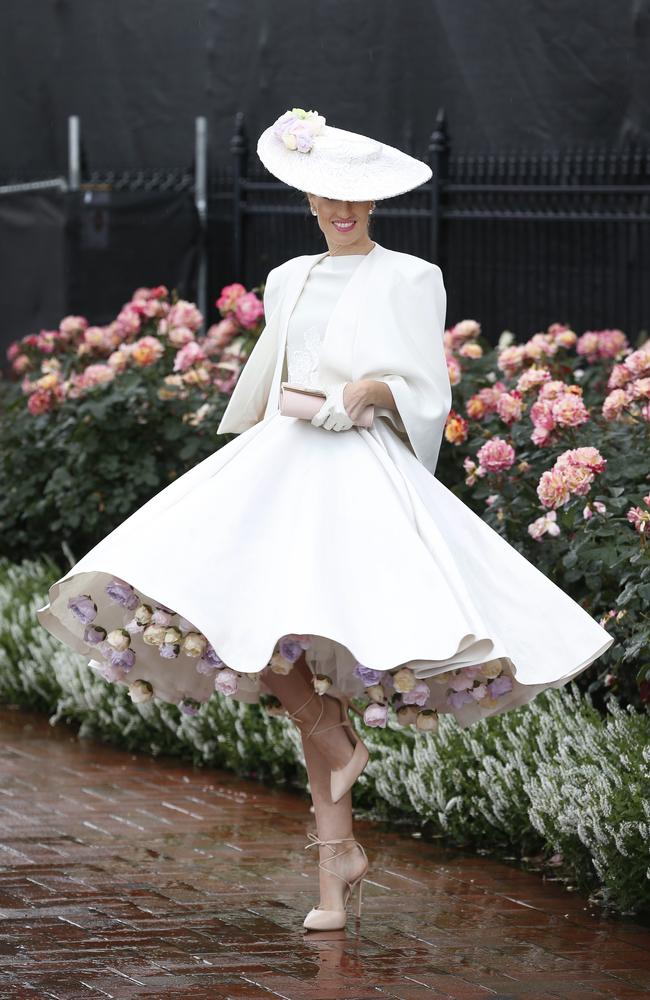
(322, 752)
(293, 690)
(333, 821)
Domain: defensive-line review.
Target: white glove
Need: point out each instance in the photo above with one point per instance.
(332, 415)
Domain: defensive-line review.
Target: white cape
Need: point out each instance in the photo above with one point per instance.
(344, 536)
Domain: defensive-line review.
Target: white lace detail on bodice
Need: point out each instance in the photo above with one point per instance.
(310, 316)
(303, 361)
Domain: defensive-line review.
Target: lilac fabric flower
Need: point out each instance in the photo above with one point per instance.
(290, 648)
(459, 698)
(162, 617)
(461, 681)
(211, 657)
(375, 715)
(122, 593)
(282, 123)
(203, 667)
(367, 675)
(111, 673)
(123, 659)
(189, 706)
(169, 650)
(500, 685)
(94, 634)
(83, 607)
(418, 696)
(479, 692)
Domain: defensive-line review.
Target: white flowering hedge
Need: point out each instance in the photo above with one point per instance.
(553, 776)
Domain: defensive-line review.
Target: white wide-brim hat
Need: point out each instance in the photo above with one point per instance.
(334, 163)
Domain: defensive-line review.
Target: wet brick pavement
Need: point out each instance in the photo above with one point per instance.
(125, 876)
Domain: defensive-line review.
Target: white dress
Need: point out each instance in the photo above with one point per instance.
(291, 530)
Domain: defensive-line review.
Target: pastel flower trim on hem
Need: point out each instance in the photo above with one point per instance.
(389, 693)
(174, 635)
(297, 128)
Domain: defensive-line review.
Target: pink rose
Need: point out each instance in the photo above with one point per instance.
(570, 411)
(510, 406)
(184, 314)
(249, 310)
(552, 489)
(639, 361)
(454, 370)
(222, 333)
(612, 343)
(496, 455)
(615, 403)
(546, 524)
(146, 351)
(188, 355)
(511, 359)
(587, 455)
(180, 335)
(619, 376)
(230, 295)
(587, 345)
(532, 378)
(40, 401)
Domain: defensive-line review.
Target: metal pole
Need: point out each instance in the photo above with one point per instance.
(74, 152)
(201, 202)
(238, 150)
(438, 145)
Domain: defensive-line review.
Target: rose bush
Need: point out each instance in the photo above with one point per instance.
(553, 435)
(99, 419)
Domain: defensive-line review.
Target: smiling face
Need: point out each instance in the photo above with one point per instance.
(344, 224)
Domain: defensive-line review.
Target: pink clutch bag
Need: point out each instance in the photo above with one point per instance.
(305, 403)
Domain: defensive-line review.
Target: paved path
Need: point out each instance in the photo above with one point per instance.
(124, 876)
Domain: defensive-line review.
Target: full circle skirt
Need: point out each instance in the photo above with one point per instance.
(341, 537)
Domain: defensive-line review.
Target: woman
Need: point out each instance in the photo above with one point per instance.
(308, 566)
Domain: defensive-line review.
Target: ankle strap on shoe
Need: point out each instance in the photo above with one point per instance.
(315, 840)
(293, 715)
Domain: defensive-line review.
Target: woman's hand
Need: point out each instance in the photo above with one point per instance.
(333, 415)
(346, 401)
(357, 395)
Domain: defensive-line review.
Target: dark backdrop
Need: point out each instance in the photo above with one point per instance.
(535, 73)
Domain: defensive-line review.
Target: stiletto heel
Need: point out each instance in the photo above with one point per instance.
(319, 919)
(342, 778)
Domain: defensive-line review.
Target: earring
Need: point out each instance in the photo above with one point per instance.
(313, 211)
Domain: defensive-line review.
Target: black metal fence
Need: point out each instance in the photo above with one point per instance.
(524, 238)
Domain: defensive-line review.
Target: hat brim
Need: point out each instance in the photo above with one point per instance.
(321, 172)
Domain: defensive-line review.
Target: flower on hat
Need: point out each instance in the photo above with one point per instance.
(297, 128)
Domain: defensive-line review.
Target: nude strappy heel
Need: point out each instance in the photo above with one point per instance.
(342, 778)
(319, 919)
